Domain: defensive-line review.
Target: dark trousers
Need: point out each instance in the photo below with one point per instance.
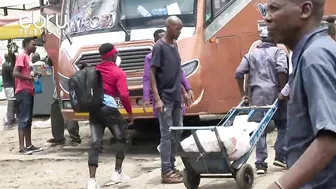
(58, 125)
(112, 119)
(25, 103)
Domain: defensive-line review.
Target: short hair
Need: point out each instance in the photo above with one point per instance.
(105, 48)
(26, 41)
(157, 32)
(318, 9)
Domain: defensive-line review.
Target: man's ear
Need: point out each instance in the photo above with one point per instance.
(306, 9)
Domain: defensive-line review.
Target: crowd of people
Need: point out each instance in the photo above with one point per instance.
(303, 80)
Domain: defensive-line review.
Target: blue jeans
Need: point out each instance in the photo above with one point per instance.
(171, 116)
(25, 103)
(279, 146)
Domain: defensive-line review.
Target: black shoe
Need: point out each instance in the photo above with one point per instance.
(280, 163)
(25, 151)
(261, 169)
(75, 142)
(55, 142)
(32, 148)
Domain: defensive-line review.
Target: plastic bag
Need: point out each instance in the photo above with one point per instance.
(38, 86)
(236, 141)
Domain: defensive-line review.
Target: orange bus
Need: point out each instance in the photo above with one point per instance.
(215, 36)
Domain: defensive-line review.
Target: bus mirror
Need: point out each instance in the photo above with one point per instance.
(54, 2)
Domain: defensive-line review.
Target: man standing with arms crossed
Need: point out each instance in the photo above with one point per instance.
(311, 130)
(24, 94)
(165, 80)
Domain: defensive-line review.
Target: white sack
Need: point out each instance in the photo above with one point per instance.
(236, 138)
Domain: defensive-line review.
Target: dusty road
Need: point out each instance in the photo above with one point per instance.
(66, 168)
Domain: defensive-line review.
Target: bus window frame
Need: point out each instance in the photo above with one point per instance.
(213, 14)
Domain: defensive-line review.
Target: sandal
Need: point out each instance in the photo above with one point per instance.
(171, 178)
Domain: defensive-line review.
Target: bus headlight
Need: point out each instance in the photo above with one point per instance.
(190, 67)
(66, 104)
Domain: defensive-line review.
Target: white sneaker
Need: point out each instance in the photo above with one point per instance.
(158, 148)
(119, 177)
(92, 184)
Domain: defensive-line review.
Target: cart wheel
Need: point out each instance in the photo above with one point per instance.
(190, 180)
(245, 177)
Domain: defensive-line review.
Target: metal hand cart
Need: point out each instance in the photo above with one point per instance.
(217, 164)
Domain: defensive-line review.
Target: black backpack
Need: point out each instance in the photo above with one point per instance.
(86, 90)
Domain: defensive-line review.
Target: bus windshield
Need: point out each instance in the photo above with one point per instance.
(152, 13)
(87, 16)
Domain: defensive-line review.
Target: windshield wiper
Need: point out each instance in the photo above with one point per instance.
(128, 34)
(67, 36)
(123, 28)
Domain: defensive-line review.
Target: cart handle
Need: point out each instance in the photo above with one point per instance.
(193, 128)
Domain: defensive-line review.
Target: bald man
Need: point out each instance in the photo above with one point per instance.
(165, 80)
(311, 130)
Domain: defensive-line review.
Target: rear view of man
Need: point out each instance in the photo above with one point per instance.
(8, 84)
(266, 67)
(114, 82)
(58, 124)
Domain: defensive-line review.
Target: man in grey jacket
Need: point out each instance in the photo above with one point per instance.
(58, 124)
(267, 69)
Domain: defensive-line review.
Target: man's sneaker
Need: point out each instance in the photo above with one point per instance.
(92, 184)
(158, 148)
(24, 151)
(279, 163)
(55, 142)
(178, 172)
(75, 142)
(171, 178)
(261, 169)
(34, 149)
(118, 177)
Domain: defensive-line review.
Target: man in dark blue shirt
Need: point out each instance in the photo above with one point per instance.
(165, 80)
(311, 108)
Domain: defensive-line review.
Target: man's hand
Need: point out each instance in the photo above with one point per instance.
(131, 119)
(159, 105)
(282, 97)
(186, 99)
(246, 99)
(145, 105)
(191, 96)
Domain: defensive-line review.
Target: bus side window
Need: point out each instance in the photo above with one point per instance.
(208, 12)
(54, 13)
(213, 8)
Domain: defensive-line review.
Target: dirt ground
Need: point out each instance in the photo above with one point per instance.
(66, 167)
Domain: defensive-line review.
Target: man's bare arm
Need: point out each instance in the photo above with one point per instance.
(17, 73)
(240, 82)
(310, 164)
(282, 79)
(153, 84)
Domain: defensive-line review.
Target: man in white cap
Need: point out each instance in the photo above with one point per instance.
(266, 66)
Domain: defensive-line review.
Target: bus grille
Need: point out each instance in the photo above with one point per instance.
(132, 59)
